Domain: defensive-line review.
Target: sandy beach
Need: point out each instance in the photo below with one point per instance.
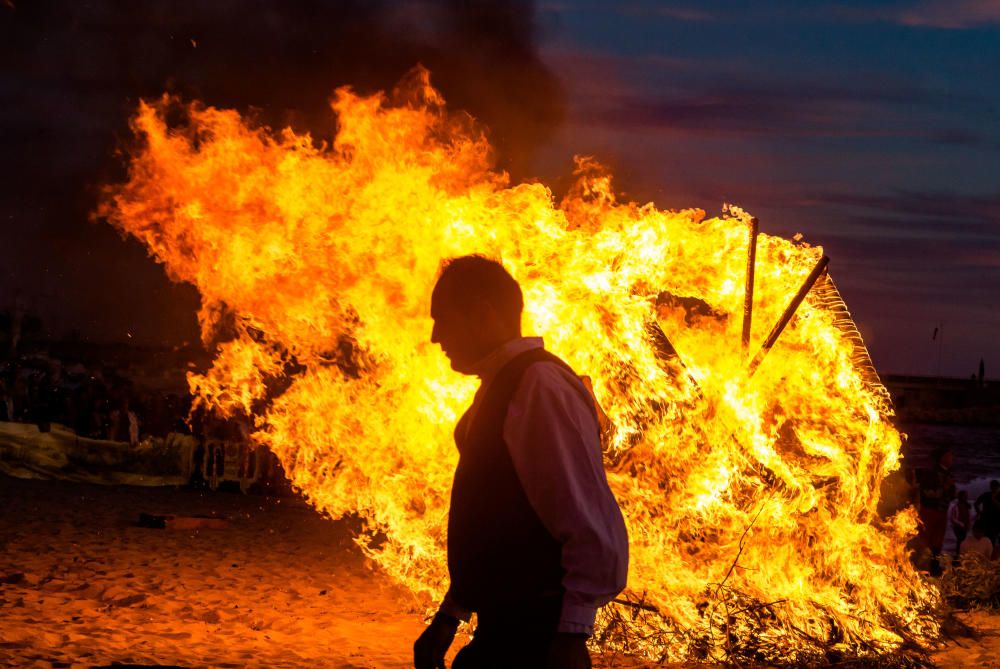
(275, 585)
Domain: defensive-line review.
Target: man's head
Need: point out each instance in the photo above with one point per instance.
(476, 306)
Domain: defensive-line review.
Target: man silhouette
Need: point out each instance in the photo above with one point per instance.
(536, 541)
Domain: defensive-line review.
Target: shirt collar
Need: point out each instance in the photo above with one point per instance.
(488, 367)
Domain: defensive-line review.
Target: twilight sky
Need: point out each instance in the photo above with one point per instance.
(871, 128)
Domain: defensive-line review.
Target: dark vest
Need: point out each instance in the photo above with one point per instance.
(499, 553)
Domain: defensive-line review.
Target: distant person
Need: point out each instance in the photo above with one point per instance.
(6, 403)
(133, 427)
(116, 425)
(124, 424)
(978, 543)
(100, 420)
(959, 516)
(937, 488)
(22, 400)
(536, 541)
(988, 511)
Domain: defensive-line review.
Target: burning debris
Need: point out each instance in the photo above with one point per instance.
(748, 438)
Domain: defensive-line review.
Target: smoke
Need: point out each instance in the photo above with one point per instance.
(72, 74)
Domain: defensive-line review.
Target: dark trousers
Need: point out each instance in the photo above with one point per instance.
(512, 638)
(960, 534)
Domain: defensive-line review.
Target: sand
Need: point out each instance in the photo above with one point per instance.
(275, 586)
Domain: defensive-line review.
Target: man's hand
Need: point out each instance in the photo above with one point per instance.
(568, 651)
(430, 647)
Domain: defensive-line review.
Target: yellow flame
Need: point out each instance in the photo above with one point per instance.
(323, 257)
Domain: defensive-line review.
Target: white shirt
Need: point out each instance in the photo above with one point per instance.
(566, 485)
(954, 517)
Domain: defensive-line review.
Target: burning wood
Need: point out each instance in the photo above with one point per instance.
(789, 312)
(750, 497)
(754, 230)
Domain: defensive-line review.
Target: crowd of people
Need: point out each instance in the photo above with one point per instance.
(101, 402)
(975, 525)
(92, 402)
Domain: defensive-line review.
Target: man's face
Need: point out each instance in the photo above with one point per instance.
(458, 332)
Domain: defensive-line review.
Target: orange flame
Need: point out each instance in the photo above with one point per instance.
(324, 256)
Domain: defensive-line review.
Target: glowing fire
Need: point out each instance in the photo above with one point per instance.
(323, 257)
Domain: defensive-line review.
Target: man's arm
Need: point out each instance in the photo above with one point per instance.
(430, 648)
(452, 608)
(554, 443)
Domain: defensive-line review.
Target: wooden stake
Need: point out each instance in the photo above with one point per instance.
(748, 291)
(776, 331)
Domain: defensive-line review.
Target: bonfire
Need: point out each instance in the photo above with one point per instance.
(747, 434)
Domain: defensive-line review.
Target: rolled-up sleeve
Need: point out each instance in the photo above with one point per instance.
(554, 442)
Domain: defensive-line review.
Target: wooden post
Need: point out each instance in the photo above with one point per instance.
(748, 291)
(776, 331)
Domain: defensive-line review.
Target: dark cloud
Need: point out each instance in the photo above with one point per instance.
(934, 14)
(939, 14)
(909, 260)
(963, 138)
(959, 262)
(946, 206)
(789, 108)
(72, 73)
(948, 242)
(669, 11)
(900, 285)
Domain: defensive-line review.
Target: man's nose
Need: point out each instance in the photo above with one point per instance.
(435, 335)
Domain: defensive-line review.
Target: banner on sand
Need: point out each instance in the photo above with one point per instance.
(60, 453)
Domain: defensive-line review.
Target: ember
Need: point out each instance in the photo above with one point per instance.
(750, 489)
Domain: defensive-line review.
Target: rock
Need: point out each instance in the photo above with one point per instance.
(171, 521)
(128, 600)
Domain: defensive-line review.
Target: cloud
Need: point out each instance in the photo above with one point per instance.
(946, 206)
(672, 11)
(710, 93)
(950, 14)
(939, 14)
(915, 246)
(788, 109)
(722, 97)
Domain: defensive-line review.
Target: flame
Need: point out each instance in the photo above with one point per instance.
(318, 259)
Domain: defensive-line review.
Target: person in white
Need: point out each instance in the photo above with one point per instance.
(536, 540)
(959, 515)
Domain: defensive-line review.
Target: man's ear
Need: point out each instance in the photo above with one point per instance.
(483, 311)
(495, 319)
